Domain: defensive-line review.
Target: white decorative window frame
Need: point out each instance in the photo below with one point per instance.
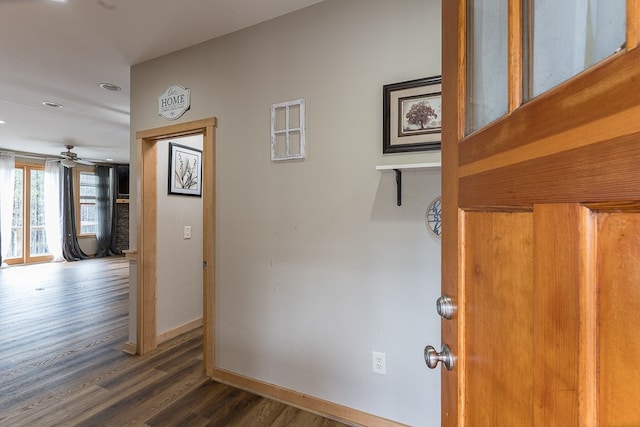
(288, 130)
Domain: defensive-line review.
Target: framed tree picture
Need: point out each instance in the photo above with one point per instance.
(412, 118)
(185, 170)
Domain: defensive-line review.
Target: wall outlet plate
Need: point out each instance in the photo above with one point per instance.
(379, 362)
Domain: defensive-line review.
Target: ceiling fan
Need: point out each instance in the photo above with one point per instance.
(71, 159)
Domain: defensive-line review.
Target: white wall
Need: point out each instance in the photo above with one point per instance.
(316, 266)
(179, 287)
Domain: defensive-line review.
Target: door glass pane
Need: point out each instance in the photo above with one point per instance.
(487, 66)
(37, 236)
(16, 224)
(569, 36)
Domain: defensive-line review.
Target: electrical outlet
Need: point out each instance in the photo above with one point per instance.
(187, 232)
(379, 362)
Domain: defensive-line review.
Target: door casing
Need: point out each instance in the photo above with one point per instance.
(147, 202)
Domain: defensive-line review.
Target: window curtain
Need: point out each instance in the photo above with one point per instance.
(106, 209)
(71, 250)
(7, 183)
(53, 208)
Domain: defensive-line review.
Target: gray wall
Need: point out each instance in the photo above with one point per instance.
(316, 266)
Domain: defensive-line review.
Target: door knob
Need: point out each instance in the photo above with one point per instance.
(432, 357)
(445, 307)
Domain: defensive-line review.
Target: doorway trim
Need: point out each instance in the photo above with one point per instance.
(147, 202)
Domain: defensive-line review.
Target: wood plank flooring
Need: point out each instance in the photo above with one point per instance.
(62, 330)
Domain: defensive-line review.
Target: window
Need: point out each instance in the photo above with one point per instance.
(28, 240)
(87, 212)
(18, 209)
(37, 232)
(287, 130)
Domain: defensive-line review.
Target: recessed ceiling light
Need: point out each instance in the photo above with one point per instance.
(2, 122)
(110, 86)
(51, 104)
(109, 159)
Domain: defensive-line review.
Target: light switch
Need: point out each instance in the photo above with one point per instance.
(187, 231)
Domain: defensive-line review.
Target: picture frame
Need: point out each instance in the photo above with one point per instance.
(412, 118)
(185, 170)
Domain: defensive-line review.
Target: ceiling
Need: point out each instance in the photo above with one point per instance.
(59, 52)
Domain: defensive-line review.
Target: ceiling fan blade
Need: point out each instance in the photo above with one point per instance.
(85, 162)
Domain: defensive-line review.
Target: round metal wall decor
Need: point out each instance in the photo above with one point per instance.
(433, 217)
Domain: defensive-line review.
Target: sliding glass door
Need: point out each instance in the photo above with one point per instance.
(28, 242)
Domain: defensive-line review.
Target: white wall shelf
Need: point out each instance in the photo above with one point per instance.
(407, 166)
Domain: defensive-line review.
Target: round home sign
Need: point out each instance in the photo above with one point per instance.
(174, 102)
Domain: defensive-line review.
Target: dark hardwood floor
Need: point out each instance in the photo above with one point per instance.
(62, 330)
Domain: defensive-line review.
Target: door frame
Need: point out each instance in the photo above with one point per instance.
(147, 202)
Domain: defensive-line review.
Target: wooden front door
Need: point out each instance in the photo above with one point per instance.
(541, 244)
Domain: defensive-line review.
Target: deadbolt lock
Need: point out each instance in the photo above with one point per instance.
(445, 307)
